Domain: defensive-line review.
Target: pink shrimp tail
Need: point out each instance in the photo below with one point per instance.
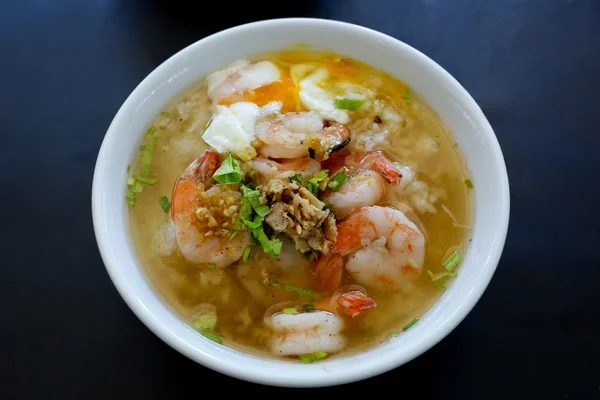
(207, 164)
(355, 302)
(388, 170)
(375, 160)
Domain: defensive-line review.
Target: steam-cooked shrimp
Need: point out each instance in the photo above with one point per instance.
(383, 250)
(369, 174)
(203, 218)
(302, 134)
(319, 330)
(269, 168)
(305, 333)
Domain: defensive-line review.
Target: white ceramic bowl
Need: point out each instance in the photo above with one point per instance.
(456, 107)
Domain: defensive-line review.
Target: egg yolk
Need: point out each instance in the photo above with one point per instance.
(284, 90)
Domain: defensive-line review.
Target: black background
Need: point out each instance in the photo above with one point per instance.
(67, 66)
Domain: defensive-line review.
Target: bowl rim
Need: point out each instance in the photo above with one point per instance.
(256, 375)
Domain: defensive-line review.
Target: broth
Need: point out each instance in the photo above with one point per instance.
(432, 193)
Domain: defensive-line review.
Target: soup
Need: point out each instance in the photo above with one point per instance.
(299, 205)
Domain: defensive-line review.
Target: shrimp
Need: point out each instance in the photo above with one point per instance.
(382, 249)
(305, 333)
(266, 169)
(317, 330)
(367, 185)
(301, 134)
(203, 218)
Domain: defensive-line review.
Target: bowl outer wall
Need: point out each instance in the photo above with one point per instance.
(440, 90)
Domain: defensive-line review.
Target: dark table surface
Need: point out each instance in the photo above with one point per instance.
(67, 66)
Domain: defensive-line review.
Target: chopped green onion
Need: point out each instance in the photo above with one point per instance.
(138, 187)
(145, 163)
(410, 324)
(247, 254)
(290, 310)
(393, 334)
(165, 113)
(443, 274)
(211, 336)
(137, 181)
(150, 145)
(296, 178)
(337, 181)
(253, 197)
(229, 171)
(211, 266)
(205, 321)
(406, 96)
(165, 204)
(131, 198)
(253, 224)
(452, 261)
(440, 285)
(311, 358)
(313, 182)
(245, 212)
(413, 264)
(295, 289)
(469, 183)
(272, 247)
(308, 307)
(349, 104)
(262, 210)
(312, 255)
(142, 179)
(438, 281)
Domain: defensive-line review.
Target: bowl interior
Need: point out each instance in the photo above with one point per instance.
(454, 105)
